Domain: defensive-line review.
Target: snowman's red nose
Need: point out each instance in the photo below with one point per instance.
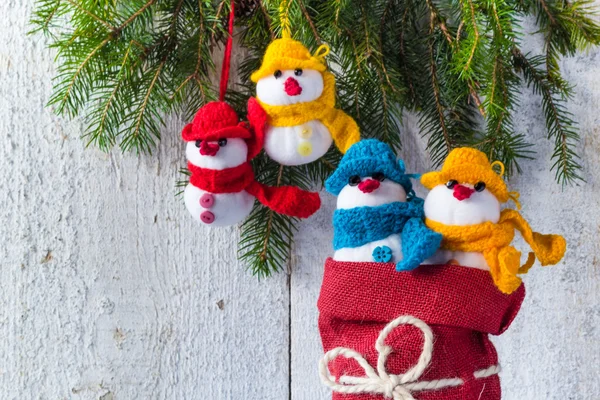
(292, 87)
(462, 192)
(209, 149)
(368, 185)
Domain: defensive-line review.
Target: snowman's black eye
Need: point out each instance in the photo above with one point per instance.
(222, 142)
(277, 74)
(354, 180)
(297, 72)
(378, 176)
(451, 184)
(198, 142)
(480, 186)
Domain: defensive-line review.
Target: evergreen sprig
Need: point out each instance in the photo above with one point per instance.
(124, 65)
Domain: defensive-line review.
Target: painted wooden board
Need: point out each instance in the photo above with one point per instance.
(108, 289)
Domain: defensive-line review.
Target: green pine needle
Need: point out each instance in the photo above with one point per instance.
(125, 65)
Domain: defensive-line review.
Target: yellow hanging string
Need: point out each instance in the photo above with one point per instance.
(284, 8)
(514, 196)
(499, 164)
(321, 53)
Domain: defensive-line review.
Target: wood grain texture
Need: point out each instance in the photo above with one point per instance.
(109, 290)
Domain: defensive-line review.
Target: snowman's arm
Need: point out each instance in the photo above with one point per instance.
(257, 117)
(343, 129)
(288, 200)
(418, 243)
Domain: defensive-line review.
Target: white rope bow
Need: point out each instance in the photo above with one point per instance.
(398, 387)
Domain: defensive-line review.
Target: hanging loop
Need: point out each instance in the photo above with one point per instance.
(500, 164)
(227, 55)
(321, 53)
(284, 18)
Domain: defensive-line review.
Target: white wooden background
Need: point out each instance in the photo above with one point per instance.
(109, 290)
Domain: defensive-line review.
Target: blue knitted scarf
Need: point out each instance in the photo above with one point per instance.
(361, 225)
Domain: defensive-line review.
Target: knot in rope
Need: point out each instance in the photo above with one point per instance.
(379, 382)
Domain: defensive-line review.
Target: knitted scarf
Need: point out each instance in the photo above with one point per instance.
(493, 241)
(229, 180)
(361, 225)
(288, 200)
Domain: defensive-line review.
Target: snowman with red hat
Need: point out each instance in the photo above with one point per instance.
(222, 186)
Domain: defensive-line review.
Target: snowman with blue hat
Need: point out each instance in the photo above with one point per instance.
(378, 217)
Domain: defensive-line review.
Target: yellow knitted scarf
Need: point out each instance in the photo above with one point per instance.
(342, 128)
(493, 241)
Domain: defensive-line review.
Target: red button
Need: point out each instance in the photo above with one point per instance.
(207, 217)
(207, 200)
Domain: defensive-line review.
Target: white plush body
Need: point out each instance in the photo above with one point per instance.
(351, 197)
(228, 208)
(365, 253)
(441, 206)
(296, 144)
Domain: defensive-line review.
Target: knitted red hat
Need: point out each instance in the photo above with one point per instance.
(216, 120)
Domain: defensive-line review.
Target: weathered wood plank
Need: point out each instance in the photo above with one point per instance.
(313, 245)
(108, 288)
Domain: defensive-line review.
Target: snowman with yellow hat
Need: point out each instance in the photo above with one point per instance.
(464, 206)
(298, 94)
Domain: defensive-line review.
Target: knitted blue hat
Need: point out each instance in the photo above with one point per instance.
(365, 158)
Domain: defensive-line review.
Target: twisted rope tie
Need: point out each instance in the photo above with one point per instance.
(397, 387)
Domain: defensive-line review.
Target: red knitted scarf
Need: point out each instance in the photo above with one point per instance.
(288, 200)
(230, 180)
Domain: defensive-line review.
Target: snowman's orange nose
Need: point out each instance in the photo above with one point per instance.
(462, 192)
(368, 185)
(292, 87)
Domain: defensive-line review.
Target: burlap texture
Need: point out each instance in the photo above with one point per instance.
(461, 305)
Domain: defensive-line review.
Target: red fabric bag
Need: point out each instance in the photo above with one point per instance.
(447, 355)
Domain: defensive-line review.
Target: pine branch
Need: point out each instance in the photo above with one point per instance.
(266, 236)
(104, 121)
(447, 115)
(435, 87)
(45, 12)
(559, 121)
(124, 65)
(91, 14)
(501, 141)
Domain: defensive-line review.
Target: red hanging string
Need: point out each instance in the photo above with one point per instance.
(227, 55)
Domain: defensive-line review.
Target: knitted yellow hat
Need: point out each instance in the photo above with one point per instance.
(469, 166)
(286, 54)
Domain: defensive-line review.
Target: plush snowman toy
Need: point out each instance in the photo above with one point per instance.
(298, 95)
(296, 144)
(464, 206)
(378, 218)
(213, 207)
(217, 154)
(222, 187)
(462, 203)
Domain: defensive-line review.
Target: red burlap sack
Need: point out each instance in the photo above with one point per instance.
(460, 305)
